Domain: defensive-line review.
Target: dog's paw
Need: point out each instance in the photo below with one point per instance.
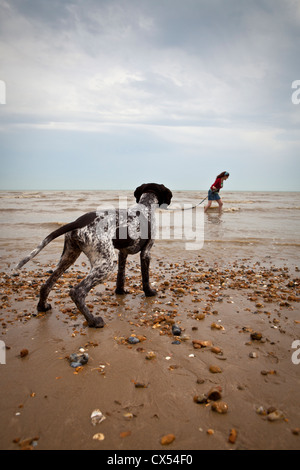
(96, 322)
(150, 292)
(120, 291)
(44, 307)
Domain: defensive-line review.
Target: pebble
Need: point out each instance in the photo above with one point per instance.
(167, 439)
(133, 340)
(24, 352)
(256, 336)
(150, 355)
(253, 354)
(215, 369)
(140, 385)
(77, 360)
(176, 330)
(296, 431)
(220, 407)
(200, 399)
(201, 344)
(232, 436)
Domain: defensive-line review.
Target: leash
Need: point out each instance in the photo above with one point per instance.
(188, 208)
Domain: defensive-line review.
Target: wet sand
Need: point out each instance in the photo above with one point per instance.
(47, 404)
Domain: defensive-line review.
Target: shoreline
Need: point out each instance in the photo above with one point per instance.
(46, 404)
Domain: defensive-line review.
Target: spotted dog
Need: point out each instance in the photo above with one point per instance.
(97, 235)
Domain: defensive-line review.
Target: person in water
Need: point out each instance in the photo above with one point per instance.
(213, 192)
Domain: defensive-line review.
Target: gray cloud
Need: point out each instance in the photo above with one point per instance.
(217, 71)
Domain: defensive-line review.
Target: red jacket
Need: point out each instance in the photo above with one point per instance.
(217, 184)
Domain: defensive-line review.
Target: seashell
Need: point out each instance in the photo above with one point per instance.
(214, 394)
(97, 417)
(216, 326)
(99, 436)
(275, 415)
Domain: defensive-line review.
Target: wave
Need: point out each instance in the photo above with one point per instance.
(255, 241)
(49, 225)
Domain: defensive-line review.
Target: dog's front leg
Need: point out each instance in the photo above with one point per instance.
(145, 264)
(121, 273)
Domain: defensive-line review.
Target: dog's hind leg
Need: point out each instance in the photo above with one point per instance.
(69, 255)
(99, 272)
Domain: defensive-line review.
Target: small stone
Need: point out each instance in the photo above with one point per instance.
(200, 316)
(133, 340)
(232, 436)
(215, 369)
(167, 439)
(253, 355)
(296, 431)
(256, 336)
(198, 344)
(75, 364)
(140, 385)
(200, 399)
(220, 407)
(200, 381)
(261, 411)
(210, 432)
(176, 331)
(150, 355)
(24, 353)
(216, 350)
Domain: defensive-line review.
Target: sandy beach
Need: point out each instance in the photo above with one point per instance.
(230, 380)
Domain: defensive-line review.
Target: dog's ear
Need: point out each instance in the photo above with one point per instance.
(139, 191)
(165, 196)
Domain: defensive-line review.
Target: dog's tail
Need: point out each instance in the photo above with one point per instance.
(78, 223)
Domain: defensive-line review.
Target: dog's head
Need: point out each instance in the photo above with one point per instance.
(163, 194)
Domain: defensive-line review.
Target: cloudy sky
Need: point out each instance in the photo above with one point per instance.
(109, 94)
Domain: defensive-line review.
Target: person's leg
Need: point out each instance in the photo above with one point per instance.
(219, 201)
(207, 206)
